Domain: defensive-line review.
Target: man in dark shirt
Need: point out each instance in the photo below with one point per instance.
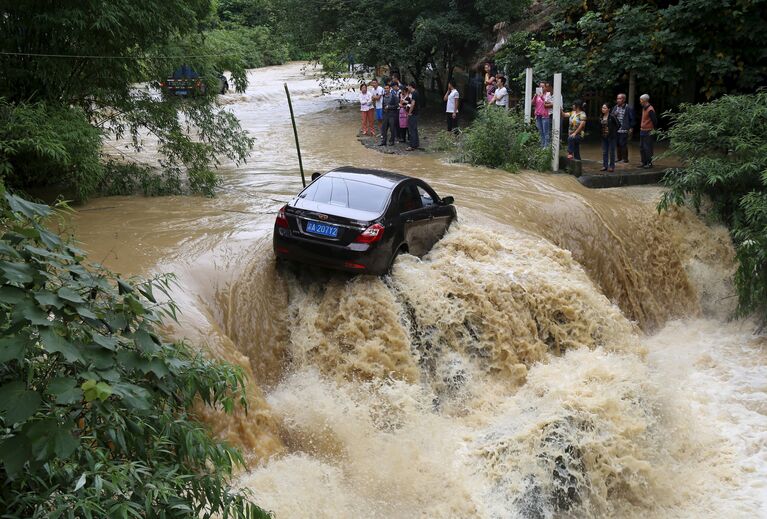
(625, 116)
(390, 113)
(412, 116)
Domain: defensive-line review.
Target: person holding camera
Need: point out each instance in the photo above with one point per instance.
(404, 106)
(542, 103)
(412, 117)
(452, 99)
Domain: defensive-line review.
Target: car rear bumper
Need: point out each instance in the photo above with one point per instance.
(365, 260)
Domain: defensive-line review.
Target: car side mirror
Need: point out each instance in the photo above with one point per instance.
(448, 200)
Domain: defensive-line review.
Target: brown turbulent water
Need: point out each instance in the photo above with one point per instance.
(560, 353)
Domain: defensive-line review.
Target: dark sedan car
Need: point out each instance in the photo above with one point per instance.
(359, 220)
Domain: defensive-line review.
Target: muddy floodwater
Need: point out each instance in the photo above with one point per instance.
(562, 352)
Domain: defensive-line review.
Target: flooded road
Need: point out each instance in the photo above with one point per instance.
(563, 352)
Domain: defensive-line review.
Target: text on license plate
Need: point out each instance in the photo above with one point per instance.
(322, 229)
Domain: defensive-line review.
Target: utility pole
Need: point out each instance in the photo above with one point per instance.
(557, 122)
(528, 93)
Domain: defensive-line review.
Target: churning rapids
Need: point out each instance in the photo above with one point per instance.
(560, 353)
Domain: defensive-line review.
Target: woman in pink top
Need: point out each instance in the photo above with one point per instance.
(542, 102)
(404, 106)
(367, 111)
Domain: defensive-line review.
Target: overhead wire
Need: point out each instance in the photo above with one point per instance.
(87, 56)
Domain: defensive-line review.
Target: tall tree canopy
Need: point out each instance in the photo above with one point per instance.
(406, 34)
(89, 56)
(708, 48)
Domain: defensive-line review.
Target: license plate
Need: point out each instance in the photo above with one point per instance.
(323, 229)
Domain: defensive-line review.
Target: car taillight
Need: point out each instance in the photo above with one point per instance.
(282, 221)
(372, 234)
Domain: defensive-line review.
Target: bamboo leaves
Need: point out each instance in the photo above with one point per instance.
(94, 406)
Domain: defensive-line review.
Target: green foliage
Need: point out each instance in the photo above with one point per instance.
(499, 138)
(134, 41)
(596, 44)
(41, 141)
(129, 178)
(94, 407)
(246, 13)
(406, 34)
(256, 46)
(724, 148)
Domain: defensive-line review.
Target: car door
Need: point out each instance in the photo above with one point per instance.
(439, 215)
(415, 218)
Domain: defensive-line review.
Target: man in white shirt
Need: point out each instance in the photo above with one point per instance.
(501, 97)
(453, 99)
(377, 92)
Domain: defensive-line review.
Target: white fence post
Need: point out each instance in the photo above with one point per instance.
(528, 93)
(556, 122)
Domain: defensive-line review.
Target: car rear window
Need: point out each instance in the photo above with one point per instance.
(342, 192)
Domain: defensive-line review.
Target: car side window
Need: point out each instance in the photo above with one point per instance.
(409, 198)
(425, 196)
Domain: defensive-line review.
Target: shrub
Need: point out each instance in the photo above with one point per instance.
(723, 147)
(43, 144)
(94, 407)
(500, 138)
(129, 178)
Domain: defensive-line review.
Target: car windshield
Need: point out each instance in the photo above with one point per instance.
(342, 192)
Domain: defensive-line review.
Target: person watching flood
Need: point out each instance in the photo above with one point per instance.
(577, 126)
(366, 109)
(647, 126)
(412, 117)
(452, 99)
(542, 101)
(377, 92)
(625, 116)
(390, 103)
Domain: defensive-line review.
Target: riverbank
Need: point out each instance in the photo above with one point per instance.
(552, 320)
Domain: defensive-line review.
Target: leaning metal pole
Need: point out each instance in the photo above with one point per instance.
(295, 134)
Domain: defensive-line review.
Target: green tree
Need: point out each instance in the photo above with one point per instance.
(95, 409)
(404, 34)
(713, 47)
(92, 56)
(723, 145)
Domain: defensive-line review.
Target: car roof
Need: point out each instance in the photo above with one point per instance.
(377, 177)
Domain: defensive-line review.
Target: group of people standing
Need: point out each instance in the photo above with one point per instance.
(395, 107)
(616, 127)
